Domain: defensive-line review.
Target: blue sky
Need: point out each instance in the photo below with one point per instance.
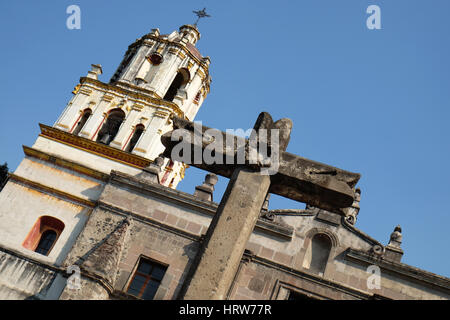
(368, 101)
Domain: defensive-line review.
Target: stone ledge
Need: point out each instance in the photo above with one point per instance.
(19, 255)
(68, 164)
(52, 191)
(179, 197)
(93, 147)
(149, 221)
(359, 233)
(248, 257)
(399, 268)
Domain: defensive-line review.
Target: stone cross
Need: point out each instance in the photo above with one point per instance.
(297, 178)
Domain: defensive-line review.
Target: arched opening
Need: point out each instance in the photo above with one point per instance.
(111, 127)
(83, 119)
(135, 138)
(46, 243)
(181, 79)
(316, 257)
(43, 235)
(168, 170)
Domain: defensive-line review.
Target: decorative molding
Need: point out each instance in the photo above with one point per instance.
(160, 114)
(146, 95)
(137, 107)
(63, 126)
(172, 51)
(181, 46)
(65, 163)
(76, 89)
(49, 190)
(324, 283)
(399, 268)
(85, 91)
(147, 220)
(94, 147)
(140, 150)
(313, 231)
(201, 74)
(188, 200)
(107, 98)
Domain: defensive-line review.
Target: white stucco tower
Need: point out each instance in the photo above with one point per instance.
(160, 75)
(106, 126)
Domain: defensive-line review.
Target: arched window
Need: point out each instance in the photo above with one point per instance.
(83, 119)
(316, 256)
(181, 79)
(135, 138)
(44, 235)
(47, 241)
(111, 127)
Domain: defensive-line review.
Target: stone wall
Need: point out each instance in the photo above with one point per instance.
(22, 278)
(168, 225)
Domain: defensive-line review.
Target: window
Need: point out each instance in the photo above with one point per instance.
(181, 79)
(44, 235)
(111, 127)
(83, 119)
(155, 58)
(316, 256)
(46, 243)
(146, 279)
(136, 135)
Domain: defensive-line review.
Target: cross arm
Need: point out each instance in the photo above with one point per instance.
(297, 178)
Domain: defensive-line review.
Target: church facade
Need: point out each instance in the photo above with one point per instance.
(92, 211)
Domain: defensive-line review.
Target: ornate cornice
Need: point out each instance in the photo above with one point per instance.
(188, 200)
(94, 147)
(305, 276)
(65, 163)
(399, 268)
(145, 95)
(52, 191)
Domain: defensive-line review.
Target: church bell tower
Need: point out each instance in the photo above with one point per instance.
(159, 76)
(115, 125)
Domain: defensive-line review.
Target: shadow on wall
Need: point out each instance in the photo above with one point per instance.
(82, 218)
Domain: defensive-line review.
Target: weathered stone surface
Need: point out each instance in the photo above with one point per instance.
(103, 259)
(227, 236)
(151, 173)
(24, 279)
(206, 190)
(300, 179)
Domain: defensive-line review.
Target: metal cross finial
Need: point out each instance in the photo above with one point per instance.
(200, 14)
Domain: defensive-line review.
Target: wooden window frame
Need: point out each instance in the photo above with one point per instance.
(147, 277)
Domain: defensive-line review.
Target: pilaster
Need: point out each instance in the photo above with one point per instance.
(92, 126)
(78, 103)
